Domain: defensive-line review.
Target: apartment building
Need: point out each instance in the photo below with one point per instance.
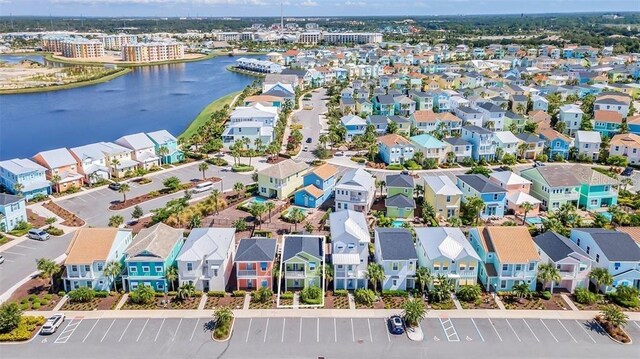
(81, 48)
(152, 51)
(115, 42)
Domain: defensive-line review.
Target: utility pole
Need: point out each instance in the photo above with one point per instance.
(281, 22)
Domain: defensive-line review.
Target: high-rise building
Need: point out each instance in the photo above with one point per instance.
(152, 51)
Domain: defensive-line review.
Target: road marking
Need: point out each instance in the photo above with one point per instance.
(266, 330)
(370, 335)
(246, 340)
(67, 332)
(534, 334)
(514, 332)
(14, 253)
(353, 334)
(585, 330)
(142, 331)
(194, 329)
(478, 330)
(125, 330)
(318, 330)
(107, 332)
(177, 329)
(567, 330)
(386, 329)
(159, 330)
(335, 331)
(90, 330)
(300, 335)
(284, 320)
(23, 246)
(545, 325)
(449, 330)
(494, 329)
(637, 325)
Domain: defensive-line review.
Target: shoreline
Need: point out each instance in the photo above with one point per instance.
(120, 72)
(50, 57)
(259, 75)
(203, 115)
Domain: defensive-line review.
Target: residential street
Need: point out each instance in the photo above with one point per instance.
(310, 120)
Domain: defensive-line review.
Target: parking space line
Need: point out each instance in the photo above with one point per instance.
(107, 332)
(177, 330)
(318, 330)
(68, 330)
(637, 325)
(549, 330)
(386, 329)
(14, 253)
(478, 330)
(568, 332)
(449, 327)
(353, 334)
(159, 330)
(514, 332)
(142, 331)
(370, 335)
(246, 340)
(335, 331)
(194, 329)
(125, 330)
(494, 329)
(300, 335)
(23, 246)
(90, 330)
(284, 320)
(266, 330)
(585, 330)
(534, 334)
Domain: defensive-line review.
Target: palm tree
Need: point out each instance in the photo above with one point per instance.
(477, 204)
(561, 126)
(171, 275)
(185, 291)
(55, 181)
(381, 184)
(162, 152)
(124, 188)
(48, 269)
(455, 221)
(114, 166)
(375, 273)
(238, 187)
(548, 273)
(499, 153)
(623, 182)
(522, 149)
(270, 207)
(296, 216)
(18, 187)
(203, 167)
(116, 221)
(614, 316)
(601, 277)
(223, 315)
(521, 290)
(324, 139)
(451, 157)
(413, 311)
(328, 274)
(526, 207)
(113, 270)
(423, 275)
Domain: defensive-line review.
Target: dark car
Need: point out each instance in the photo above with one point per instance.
(396, 326)
(627, 172)
(114, 186)
(538, 164)
(309, 140)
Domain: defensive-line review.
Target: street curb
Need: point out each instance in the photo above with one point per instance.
(7, 294)
(233, 323)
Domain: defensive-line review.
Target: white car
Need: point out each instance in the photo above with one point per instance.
(1, 259)
(52, 324)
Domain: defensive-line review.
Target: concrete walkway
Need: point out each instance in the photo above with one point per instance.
(352, 301)
(203, 301)
(247, 301)
(61, 303)
(499, 302)
(568, 301)
(123, 300)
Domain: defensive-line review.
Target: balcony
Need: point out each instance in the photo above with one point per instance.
(247, 273)
(567, 274)
(357, 199)
(294, 273)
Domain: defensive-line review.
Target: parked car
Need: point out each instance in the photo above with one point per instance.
(52, 324)
(307, 106)
(38, 234)
(627, 172)
(1, 259)
(306, 148)
(202, 187)
(396, 326)
(538, 164)
(309, 140)
(114, 186)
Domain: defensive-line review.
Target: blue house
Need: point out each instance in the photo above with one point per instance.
(29, 176)
(13, 210)
(556, 142)
(355, 125)
(394, 148)
(482, 141)
(318, 187)
(164, 140)
(480, 186)
(384, 105)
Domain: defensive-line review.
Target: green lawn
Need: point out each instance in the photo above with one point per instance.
(203, 116)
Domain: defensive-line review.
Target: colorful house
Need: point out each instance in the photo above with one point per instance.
(508, 256)
(430, 147)
(571, 115)
(443, 195)
(394, 148)
(142, 149)
(206, 258)
(627, 145)
(607, 122)
(482, 142)
(479, 186)
(554, 186)
(588, 144)
(318, 186)
(92, 162)
(517, 192)
(254, 263)
(354, 125)
(596, 189)
(355, 190)
(396, 253)
(152, 252)
(282, 179)
(13, 210)
(62, 168)
(350, 240)
(23, 176)
(166, 147)
(557, 143)
(535, 145)
(573, 263)
(399, 201)
(302, 261)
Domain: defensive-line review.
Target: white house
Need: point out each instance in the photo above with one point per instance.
(588, 144)
(507, 141)
(143, 149)
(395, 252)
(251, 122)
(573, 263)
(355, 191)
(350, 240)
(92, 162)
(571, 115)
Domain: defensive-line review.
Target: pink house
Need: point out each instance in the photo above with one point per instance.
(61, 169)
(517, 192)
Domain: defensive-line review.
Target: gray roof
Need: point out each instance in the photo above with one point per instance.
(136, 141)
(457, 141)
(467, 109)
(256, 250)
(161, 137)
(378, 119)
(477, 129)
(284, 169)
(311, 245)
(481, 183)
(557, 246)
(400, 180)
(288, 78)
(358, 178)
(19, 166)
(207, 244)
(157, 240)
(449, 242)
(385, 99)
(491, 107)
(396, 244)
(528, 137)
(401, 201)
(590, 176)
(557, 176)
(6, 199)
(616, 246)
(57, 158)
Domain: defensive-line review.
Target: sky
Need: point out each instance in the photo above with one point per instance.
(309, 8)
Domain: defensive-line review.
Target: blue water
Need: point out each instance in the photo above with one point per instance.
(534, 220)
(397, 224)
(607, 215)
(147, 99)
(256, 200)
(14, 59)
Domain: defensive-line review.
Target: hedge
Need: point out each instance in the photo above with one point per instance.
(216, 293)
(286, 295)
(241, 168)
(545, 295)
(395, 167)
(101, 294)
(24, 330)
(340, 293)
(313, 301)
(395, 293)
(239, 293)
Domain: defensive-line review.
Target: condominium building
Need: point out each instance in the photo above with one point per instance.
(152, 51)
(258, 65)
(81, 48)
(53, 43)
(310, 37)
(115, 42)
(352, 38)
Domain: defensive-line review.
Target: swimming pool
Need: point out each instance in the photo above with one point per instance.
(534, 220)
(246, 204)
(607, 215)
(397, 223)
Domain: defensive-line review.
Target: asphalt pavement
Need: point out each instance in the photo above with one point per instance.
(311, 123)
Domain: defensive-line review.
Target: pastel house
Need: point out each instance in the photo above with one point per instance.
(318, 186)
(461, 149)
(354, 125)
(588, 144)
(399, 201)
(443, 195)
(517, 192)
(350, 240)
(282, 179)
(571, 115)
(252, 123)
(627, 145)
(396, 253)
(607, 122)
(166, 147)
(23, 176)
(151, 253)
(573, 263)
(302, 261)
(142, 149)
(355, 190)
(508, 256)
(92, 162)
(13, 210)
(254, 263)
(596, 189)
(88, 254)
(554, 186)
(482, 143)
(62, 168)
(206, 258)
(557, 143)
(479, 186)
(394, 148)
(430, 146)
(535, 145)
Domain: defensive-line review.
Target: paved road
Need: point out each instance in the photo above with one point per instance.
(310, 120)
(20, 259)
(326, 337)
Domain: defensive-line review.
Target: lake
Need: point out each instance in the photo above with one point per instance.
(147, 99)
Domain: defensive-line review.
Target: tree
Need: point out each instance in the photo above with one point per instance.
(423, 276)
(328, 273)
(375, 274)
(163, 151)
(614, 316)
(257, 209)
(469, 293)
(124, 188)
(203, 167)
(270, 206)
(625, 182)
(116, 221)
(143, 294)
(521, 290)
(392, 127)
(48, 269)
(10, 316)
(222, 315)
(296, 216)
(171, 275)
(413, 311)
(238, 187)
(215, 197)
(171, 183)
(601, 277)
(308, 227)
(196, 221)
(561, 126)
(113, 270)
(186, 291)
(381, 184)
(114, 166)
(499, 153)
(240, 225)
(476, 204)
(548, 273)
(137, 213)
(522, 149)
(526, 208)
(17, 188)
(451, 157)
(55, 181)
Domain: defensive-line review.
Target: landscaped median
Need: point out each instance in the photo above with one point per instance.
(223, 324)
(15, 327)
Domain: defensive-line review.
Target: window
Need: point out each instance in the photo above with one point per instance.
(350, 246)
(445, 267)
(159, 269)
(394, 266)
(87, 268)
(339, 266)
(472, 268)
(160, 286)
(505, 267)
(578, 241)
(436, 266)
(616, 266)
(312, 265)
(597, 258)
(503, 284)
(145, 269)
(263, 266)
(99, 266)
(133, 269)
(189, 266)
(588, 249)
(448, 198)
(74, 268)
(532, 266)
(495, 196)
(395, 282)
(518, 267)
(215, 272)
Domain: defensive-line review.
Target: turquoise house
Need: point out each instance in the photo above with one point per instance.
(494, 197)
(163, 139)
(596, 189)
(317, 187)
(25, 175)
(555, 142)
(149, 256)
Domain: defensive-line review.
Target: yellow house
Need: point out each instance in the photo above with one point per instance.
(443, 195)
(281, 180)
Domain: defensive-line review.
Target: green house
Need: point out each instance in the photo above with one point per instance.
(554, 186)
(302, 261)
(596, 188)
(400, 202)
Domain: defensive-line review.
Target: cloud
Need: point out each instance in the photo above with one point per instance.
(309, 3)
(162, 2)
(355, 3)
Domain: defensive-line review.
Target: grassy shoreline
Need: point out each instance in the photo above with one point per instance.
(103, 79)
(246, 72)
(204, 115)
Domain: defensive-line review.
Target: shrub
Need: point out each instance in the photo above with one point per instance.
(153, 194)
(412, 165)
(61, 293)
(197, 293)
(395, 167)
(286, 295)
(35, 306)
(158, 294)
(469, 293)
(10, 316)
(311, 295)
(626, 296)
(25, 328)
(143, 294)
(45, 302)
(584, 296)
(238, 293)
(82, 295)
(358, 159)
(241, 168)
(25, 306)
(216, 293)
(395, 293)
(217, 162)
(102, 294)
(545, 295)
(262, 295)
(364, 296)
(47, 296)
(32, 297)
(340, 293)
